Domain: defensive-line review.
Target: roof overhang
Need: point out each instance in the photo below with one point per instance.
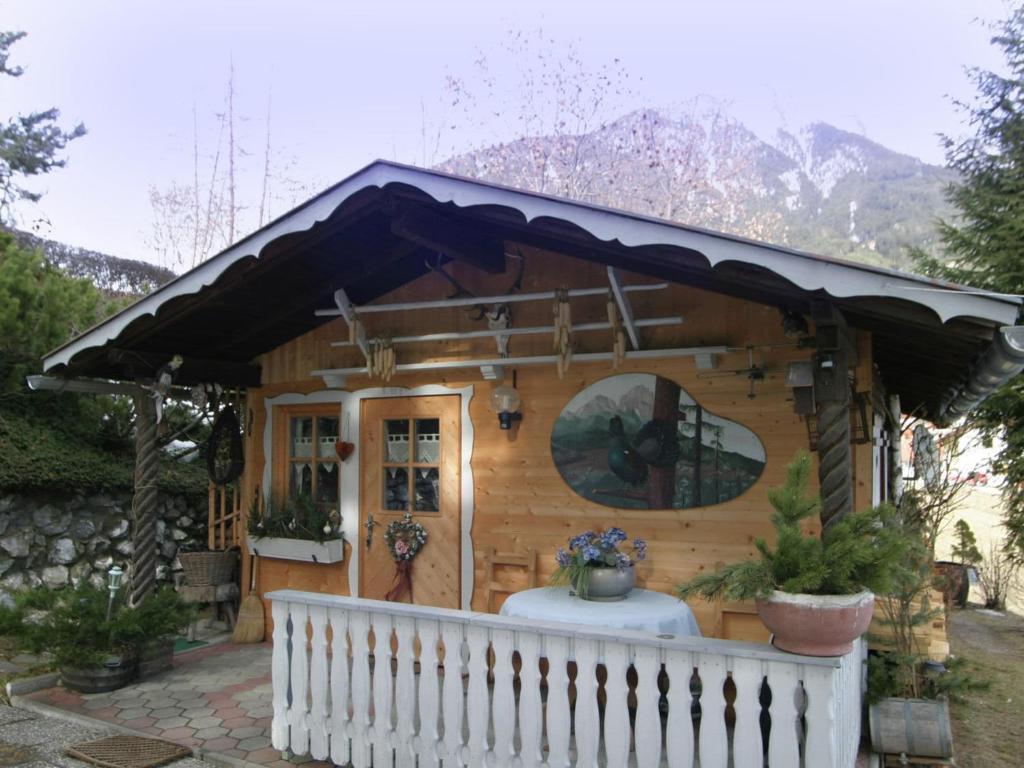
(962, 319)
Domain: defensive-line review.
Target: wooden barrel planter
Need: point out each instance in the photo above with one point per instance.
(954, 582)
(116, 673)
(155, 657)
(912, 727)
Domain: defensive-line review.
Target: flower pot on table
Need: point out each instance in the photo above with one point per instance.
(610, 584)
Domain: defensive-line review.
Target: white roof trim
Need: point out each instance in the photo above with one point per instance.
(838, 279)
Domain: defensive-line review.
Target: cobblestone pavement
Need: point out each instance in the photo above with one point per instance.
(29, 740)
(216, 699)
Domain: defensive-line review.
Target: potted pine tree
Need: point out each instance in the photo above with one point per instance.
(815, 594)
(92, 653)
(908, 693)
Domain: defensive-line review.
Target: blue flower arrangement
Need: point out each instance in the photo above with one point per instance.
(594, 549)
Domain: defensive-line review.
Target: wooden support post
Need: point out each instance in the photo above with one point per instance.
(661, 483)
(144, 501)
(832, 361)
(698, 456)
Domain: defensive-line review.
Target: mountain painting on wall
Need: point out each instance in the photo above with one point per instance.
(639, 441)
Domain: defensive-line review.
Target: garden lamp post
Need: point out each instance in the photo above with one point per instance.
(114, 577)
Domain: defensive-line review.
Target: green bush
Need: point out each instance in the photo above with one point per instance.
(37, 454)
(72, 625)
(860, 551)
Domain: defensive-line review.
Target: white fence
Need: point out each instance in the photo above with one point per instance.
(475, 689)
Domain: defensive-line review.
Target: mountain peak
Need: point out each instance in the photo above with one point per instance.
(819, 188)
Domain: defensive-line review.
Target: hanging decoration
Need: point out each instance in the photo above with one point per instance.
(382, 359)
(618, 331)
(161, 384)
(355, 330)
(404, 539)
(343, 446)
(224, 457)
(563, 331)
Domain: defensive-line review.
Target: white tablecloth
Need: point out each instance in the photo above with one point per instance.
(642, 610)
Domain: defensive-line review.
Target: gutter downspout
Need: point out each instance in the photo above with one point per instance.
(1003, 360)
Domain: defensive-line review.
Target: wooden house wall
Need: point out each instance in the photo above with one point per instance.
(521, 501)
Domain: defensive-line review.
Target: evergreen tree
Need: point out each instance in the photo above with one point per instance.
(984, 242)
(30, 144)
(965, 544)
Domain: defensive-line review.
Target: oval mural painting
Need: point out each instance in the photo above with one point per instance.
(639, 440)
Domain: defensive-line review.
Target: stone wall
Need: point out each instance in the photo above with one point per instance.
(57, 539)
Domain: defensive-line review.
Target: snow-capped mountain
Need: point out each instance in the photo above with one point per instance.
(820, 188)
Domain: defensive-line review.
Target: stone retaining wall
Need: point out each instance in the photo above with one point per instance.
(59, 539)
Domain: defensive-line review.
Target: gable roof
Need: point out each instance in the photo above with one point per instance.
(263, 290)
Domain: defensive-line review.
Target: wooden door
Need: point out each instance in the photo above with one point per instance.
(409, 461)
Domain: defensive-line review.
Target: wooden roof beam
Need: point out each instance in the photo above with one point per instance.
(459, 240)
(133, 364)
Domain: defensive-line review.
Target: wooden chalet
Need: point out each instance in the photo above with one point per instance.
(509, 370)
(751, 350)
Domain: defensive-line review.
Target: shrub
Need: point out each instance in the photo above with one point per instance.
(860, 551)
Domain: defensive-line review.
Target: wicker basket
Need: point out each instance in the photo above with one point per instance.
(205, 568)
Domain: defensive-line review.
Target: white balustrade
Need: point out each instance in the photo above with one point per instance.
(370, 683)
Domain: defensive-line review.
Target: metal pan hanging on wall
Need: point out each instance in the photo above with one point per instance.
(224, 458)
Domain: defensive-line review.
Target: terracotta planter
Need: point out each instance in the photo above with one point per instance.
(610, 584)
(816, 625)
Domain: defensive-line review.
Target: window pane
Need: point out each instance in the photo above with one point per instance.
(396, 488)
(327, 482)
(326, 436)
(426, 490)
(397, 431)
(301, 481)
(428, 440)
(302, 437)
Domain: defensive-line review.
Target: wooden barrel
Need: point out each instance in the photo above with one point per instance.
(954, 581)
(914, 727)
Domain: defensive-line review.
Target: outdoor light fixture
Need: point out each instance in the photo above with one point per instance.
(800, 376)
(505, 402)
(114, 577)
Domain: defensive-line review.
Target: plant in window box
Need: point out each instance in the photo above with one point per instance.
(815, 594)
(296, 528)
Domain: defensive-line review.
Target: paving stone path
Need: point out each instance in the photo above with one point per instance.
(30, 740)
(216, 699)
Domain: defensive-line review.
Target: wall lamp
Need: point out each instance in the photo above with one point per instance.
(505, 402)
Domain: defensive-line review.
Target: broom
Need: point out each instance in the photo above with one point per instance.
(251, 625)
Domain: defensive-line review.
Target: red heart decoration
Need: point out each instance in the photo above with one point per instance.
(344, 449)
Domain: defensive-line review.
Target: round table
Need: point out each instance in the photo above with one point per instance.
(643, 610)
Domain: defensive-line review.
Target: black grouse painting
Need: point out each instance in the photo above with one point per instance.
(656, 444)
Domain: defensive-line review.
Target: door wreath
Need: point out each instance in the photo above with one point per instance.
(404, 539)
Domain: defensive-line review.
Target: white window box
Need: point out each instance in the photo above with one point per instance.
(332, 551)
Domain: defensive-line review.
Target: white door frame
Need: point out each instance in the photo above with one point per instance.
(349, 404)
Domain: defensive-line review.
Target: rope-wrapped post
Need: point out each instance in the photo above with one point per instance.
(835, 471)
(144, 502)
(832, 362)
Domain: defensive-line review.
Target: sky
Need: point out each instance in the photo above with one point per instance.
(350, 81)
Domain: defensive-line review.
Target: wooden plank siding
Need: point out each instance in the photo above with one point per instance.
(521, 501)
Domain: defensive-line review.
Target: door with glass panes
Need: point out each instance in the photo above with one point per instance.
(409, 462)
(307, 468)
